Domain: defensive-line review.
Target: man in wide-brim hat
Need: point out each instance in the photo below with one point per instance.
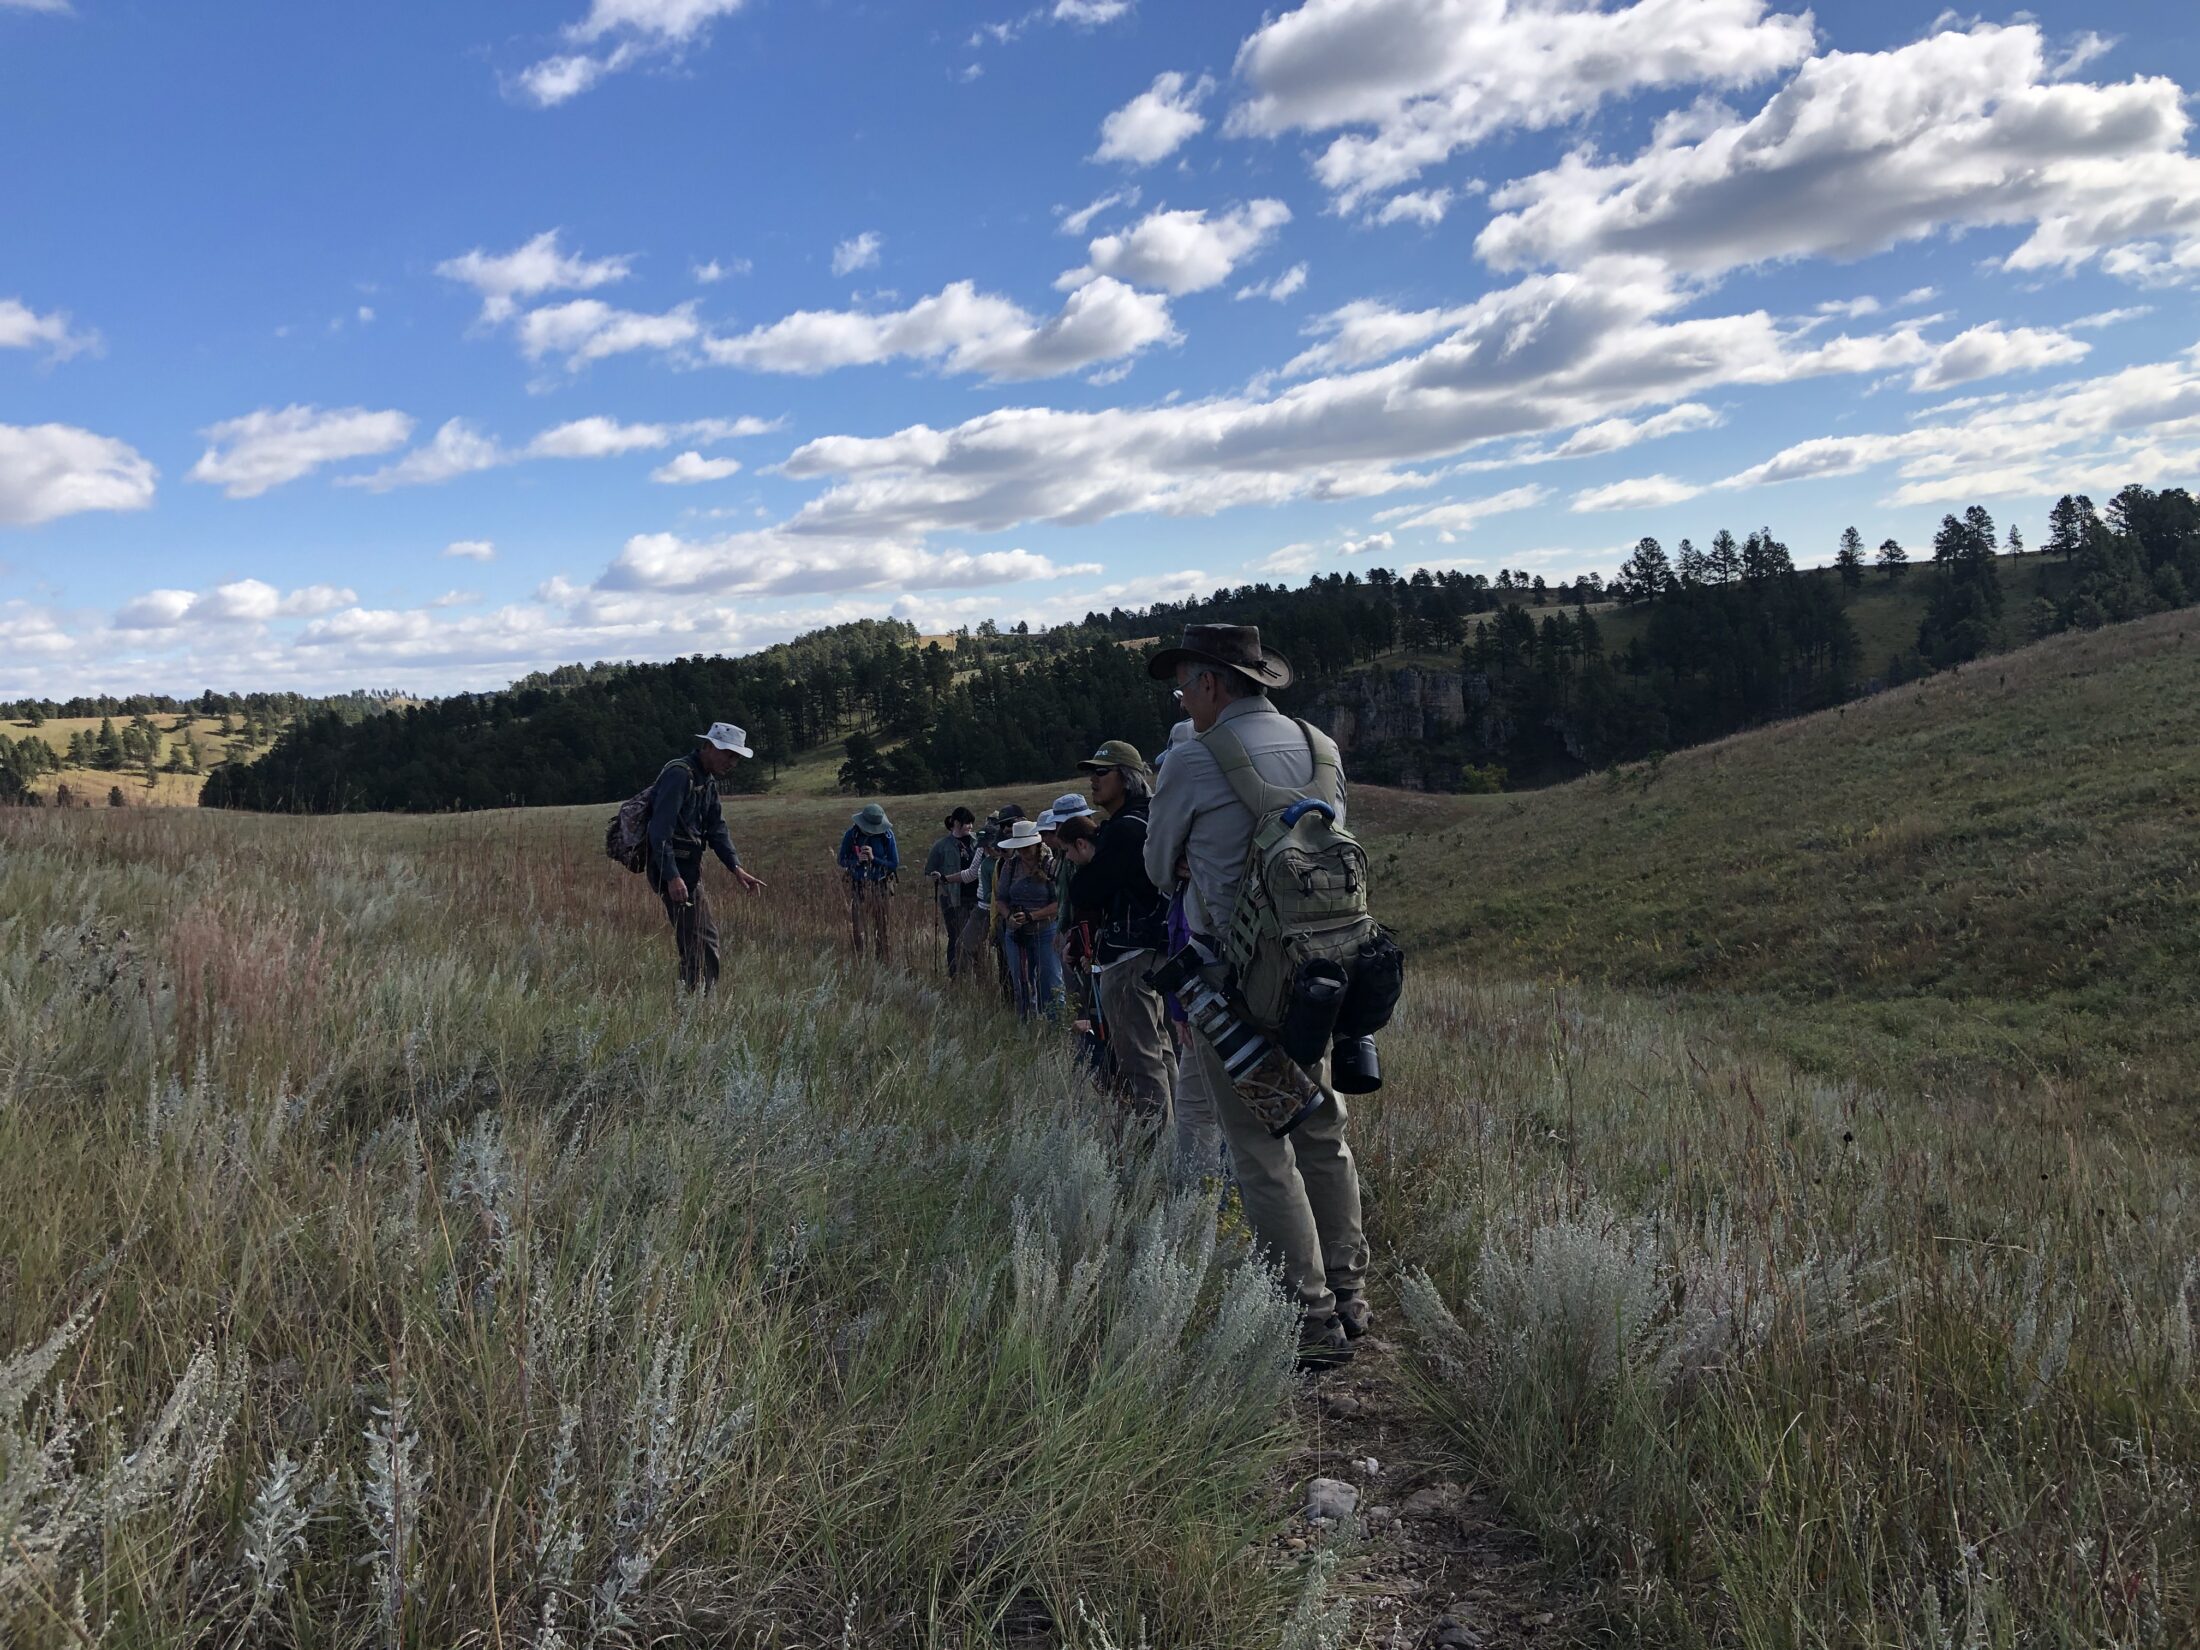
(685, 822)
(1302, 1193)
(869, 858)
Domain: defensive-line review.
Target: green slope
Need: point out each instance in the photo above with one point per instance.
(2000, 864)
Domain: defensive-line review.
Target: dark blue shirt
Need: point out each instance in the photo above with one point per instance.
(684, 819)
(885, 857)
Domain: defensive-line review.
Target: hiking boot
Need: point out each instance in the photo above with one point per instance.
(1354, 1315)
(1323, 1346)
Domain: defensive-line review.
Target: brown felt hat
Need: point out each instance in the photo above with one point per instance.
(1232, 646)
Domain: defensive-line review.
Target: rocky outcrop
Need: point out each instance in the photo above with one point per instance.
(1381, 707)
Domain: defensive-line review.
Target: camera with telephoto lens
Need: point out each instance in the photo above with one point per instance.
(1266, 1078)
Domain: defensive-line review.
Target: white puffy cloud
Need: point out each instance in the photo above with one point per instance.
(1090, 13)
(241, 602)
(958, 329)
(2139, 424)
(1367, 330)
(1407, 83)
(775, 562)
(587, 329)
(1463, 515)
(1421, 206)
(22, 327)
(52, 470)
(1860, 151)
(1077, 222)
(1373, 543)
(1287, 285)
(247, 456)
(458, 449)
(597, 438)
(859, 252)
(1550, 354)
(470, 550)
(1637, 493)
(539, 266)
(1991, 350)
(618, 34)
(2111, 317)
(692, 467)
(1186, 251)
(1157, 122)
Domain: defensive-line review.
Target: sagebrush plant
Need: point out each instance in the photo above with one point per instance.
(392, 1257)
(1779, 1363)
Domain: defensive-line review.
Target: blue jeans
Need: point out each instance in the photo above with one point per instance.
(1036, 968)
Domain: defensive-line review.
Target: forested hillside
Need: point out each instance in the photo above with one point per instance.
(1542, 682)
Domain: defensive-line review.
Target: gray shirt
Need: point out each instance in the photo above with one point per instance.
(1198, 818)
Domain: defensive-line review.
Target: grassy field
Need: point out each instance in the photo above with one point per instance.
(388, 1258)
(169, 790)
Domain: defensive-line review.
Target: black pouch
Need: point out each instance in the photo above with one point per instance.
(1378, 979)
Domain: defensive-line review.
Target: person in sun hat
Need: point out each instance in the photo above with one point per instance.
(1072, 938)
(870, 860)
(684, 820)
(953, 869)
(1023, 898)
(1111, 880)
(1302, 1193)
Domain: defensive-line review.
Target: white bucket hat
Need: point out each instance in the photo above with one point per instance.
(1071, 805)
(1047, 821)
(727, 737)
(1024, 835)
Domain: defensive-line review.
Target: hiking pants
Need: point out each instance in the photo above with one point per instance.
(1302, 1193)
(1198, 1130)
(956, 921)
(867, 907)
(694, 933)
(1138, 1033)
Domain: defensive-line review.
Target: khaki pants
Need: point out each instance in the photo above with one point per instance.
(1198, 1131)
(867, 907)
(1138, 1033)
(1302, 1193)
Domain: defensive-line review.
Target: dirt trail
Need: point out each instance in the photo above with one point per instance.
(1436, 1566)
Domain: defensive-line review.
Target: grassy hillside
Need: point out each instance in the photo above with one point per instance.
(2001, 865)
(90, 786)
(403, 1251)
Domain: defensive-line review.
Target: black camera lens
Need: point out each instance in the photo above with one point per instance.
(1353, 1066)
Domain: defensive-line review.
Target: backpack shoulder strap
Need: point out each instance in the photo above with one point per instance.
(1245, 781)
(1258, 794)
(1326, 784)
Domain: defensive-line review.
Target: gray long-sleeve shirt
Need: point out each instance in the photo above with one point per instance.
(684, 819)
(1196, 817)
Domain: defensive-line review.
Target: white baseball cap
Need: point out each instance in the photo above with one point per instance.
(727, 737)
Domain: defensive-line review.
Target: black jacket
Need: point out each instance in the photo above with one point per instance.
(685, 819)
(1134, 915)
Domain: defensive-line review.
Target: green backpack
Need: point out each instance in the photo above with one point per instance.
(1304, 892)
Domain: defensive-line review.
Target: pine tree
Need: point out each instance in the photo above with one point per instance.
(115, 798)
(1647, 574)
(1725, 558)
(1892, 559)
(1850, 558)
(2016, 540)
(107, 747)
(1692, 565)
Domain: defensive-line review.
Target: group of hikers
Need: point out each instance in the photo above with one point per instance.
(1120, 916)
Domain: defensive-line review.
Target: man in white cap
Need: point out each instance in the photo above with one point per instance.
(685, 819)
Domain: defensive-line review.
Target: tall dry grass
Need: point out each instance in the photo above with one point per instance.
(388, 1257)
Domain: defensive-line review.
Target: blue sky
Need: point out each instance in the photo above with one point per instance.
(427, 346)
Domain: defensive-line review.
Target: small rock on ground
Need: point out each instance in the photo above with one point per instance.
(1330, 1499)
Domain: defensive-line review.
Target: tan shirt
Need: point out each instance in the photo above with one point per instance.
(1198, 818)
